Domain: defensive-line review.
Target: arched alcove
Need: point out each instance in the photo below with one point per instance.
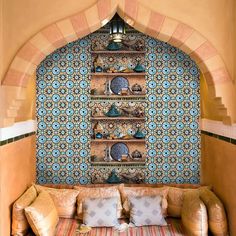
(64, 109)
(138, 16)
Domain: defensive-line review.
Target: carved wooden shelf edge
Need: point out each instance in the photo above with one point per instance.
(118, 52)
(118, 97)
(131, 163)
(118, 118)
(118, 140)
(116, 74)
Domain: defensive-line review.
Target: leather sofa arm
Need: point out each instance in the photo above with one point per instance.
(194, 215)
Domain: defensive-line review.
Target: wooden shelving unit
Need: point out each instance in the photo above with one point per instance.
(119, 163)
(135, 96)
(117, 74)
(97, 78)
(118, 140)
(117, 118)
(118, 52)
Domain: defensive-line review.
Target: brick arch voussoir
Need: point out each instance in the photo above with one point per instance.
(184, 37)
(135, 14)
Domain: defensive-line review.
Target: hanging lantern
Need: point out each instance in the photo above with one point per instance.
(117, 29)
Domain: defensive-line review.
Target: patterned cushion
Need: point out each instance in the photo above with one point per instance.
(98, 212)
(216, 213)
(42, 215)
(100, 192)
(194, 214)
(64, 200)
(146, 210)
(143, 191)
(19, 222)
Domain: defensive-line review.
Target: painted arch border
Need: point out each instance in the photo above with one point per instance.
(85, 22)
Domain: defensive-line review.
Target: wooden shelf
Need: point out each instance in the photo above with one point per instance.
(118, 97)
(118, 118)
(118, 52)
(117, 140)
(118, 163)
(117, 74)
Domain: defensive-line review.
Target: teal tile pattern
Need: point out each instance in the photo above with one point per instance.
(173, 141)
(63, 114)
(63, 135)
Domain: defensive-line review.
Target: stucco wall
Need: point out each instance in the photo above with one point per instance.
(212, 18)
(215, 19)
(17, 171)
(218, 170)
(27, 109)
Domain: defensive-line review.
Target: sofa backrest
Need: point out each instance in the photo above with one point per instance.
(174, 198)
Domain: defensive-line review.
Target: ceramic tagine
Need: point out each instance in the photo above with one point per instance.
(139, 134)
(113, 111)
(139, 68)
(113, 46)
(113, 178)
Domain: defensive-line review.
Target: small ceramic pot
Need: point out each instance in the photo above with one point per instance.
(136, 154)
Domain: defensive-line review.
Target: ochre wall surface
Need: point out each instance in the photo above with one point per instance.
(213, 18)
(208, 104)
(28, 17)
(218, 162)
(17, 171)
(27, 109)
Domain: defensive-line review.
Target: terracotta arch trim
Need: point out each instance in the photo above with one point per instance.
(134, 13)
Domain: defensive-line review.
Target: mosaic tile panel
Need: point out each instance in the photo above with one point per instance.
(173, 113)
(64, 108)
(63, 136)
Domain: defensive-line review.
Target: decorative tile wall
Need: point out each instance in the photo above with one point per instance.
(63, 116)
(172, 114)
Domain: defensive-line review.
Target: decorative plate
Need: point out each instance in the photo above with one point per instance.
(118, 83)
(119, 149)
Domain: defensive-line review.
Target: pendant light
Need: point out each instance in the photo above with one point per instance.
(117, 29)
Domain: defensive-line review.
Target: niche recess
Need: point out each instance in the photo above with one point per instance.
(70, 91)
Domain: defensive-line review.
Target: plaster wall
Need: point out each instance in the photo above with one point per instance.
(27, 109)
(17, 171)
(208, 105)
(213, 18)
(218, 170)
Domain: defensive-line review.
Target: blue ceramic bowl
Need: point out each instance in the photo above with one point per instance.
(113, 46)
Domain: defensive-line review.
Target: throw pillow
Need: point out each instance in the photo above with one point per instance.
(194, 214)
(19, 222)
(216, 213)
(64, 200)
(143, 191)
(100, 212)
(42, 215)
(100, 192)
(175, 200)
(146, 210)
